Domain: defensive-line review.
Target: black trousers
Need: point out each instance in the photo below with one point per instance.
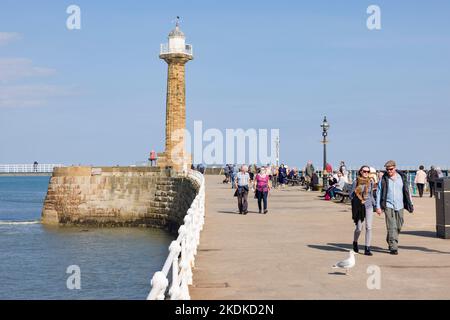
(262, 197)
(431, 189)
(420, 188)
(242, 200)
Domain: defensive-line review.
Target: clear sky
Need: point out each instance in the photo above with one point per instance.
(97, 95)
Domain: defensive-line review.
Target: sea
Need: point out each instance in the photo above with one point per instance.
(52, 263)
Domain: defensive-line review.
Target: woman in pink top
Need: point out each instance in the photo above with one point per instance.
(262, 188)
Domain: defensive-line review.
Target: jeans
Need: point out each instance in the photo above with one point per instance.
(359, 225)
(333, 191)
(262, 197)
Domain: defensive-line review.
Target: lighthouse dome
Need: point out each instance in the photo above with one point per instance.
(176, 33)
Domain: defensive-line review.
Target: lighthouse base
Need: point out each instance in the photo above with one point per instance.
(180, 163)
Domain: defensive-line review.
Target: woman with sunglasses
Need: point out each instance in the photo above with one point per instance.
(362, 207)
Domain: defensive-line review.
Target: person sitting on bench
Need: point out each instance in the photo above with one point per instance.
(337, 187)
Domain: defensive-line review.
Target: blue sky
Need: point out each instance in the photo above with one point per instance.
(97, 95)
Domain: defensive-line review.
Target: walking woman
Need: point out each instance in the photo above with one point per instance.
(262, 188)
(282, 175)
(362, 207)
(420, 180)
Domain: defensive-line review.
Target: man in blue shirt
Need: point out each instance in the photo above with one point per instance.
(392, 197)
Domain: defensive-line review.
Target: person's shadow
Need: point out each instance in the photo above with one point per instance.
(345, 247)
(342, 247)
(426, 234)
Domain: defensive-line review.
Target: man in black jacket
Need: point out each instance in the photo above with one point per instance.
(392, 197)
(432, 175)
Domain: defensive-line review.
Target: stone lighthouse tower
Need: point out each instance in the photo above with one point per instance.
(176, 53)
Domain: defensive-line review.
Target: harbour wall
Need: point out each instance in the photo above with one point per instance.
(118, 197)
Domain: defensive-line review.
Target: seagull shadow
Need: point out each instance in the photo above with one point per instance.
(337, 273)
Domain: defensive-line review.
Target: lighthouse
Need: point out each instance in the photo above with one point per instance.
(176, 53)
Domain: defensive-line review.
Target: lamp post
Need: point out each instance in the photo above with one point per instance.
(277, 144)
(325, 126)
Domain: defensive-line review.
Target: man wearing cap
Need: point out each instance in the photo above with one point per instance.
(392, 197)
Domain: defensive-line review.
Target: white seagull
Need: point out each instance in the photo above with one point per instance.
(347, 263)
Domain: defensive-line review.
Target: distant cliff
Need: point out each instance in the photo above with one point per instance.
(118, 196)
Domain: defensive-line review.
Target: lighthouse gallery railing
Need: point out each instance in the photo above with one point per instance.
(182, 251)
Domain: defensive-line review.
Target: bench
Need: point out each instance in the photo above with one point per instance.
(294, 181)
(345, 193)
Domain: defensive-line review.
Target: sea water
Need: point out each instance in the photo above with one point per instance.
(114, 263)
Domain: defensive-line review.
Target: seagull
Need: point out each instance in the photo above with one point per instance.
(347, 263)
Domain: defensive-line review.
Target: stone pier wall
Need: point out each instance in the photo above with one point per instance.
(118, 196)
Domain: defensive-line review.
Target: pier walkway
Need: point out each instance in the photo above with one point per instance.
(288, 253)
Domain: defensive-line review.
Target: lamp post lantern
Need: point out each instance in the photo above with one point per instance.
(325, 126)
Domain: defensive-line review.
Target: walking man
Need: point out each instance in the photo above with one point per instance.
(392, 197)
(309, 171)
(242, 180)
(432, 175)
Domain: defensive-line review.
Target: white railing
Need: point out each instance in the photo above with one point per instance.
(28, 168)
(186, 244)
(186, 50)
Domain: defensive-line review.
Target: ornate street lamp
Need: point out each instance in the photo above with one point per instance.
(325, 126)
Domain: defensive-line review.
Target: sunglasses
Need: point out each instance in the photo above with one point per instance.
(365, 171)
(390, 169)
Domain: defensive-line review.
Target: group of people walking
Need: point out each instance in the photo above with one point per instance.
(422, 178)
(371, 193)
(390, 195)
(258, 183)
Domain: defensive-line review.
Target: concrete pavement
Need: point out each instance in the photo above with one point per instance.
(288, 253)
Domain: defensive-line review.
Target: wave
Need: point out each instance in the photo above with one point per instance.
(2, 222)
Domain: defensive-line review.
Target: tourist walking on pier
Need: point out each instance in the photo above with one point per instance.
(392, 197)
(241, 183)
(262, 188)
(226, 172)
(362, 207)
(420, 180)
(309, 171)
(282, 175)
(274, 176)
(432, 175)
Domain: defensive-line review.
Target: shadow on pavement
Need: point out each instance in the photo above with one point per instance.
(344, 247)
(422, 249)
(231, 212)
(427, 234)
(336, 273)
